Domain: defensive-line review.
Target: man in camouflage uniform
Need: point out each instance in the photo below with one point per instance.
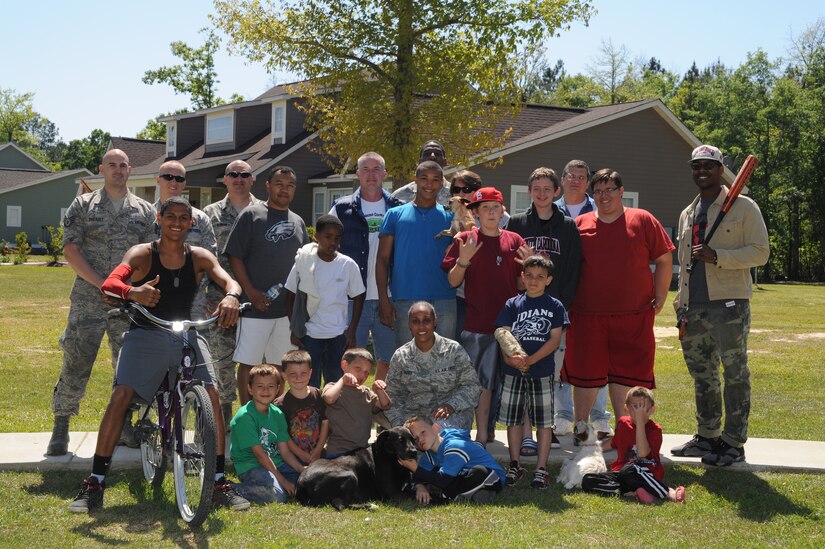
(713, 309)
(171, 182)
(431, 376)
(97, 230)
(238, 179)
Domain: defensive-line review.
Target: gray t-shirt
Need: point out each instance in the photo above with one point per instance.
(698, 281)
(267, 240)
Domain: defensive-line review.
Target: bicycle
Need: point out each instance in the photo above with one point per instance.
(179, 421)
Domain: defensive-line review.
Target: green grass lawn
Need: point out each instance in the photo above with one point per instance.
(724, 508)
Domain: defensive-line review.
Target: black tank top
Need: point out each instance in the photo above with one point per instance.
(177, 288)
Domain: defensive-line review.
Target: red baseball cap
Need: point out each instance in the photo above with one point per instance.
(486, 194)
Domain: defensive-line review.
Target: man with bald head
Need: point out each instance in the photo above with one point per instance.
(238, 179)
(98, 228)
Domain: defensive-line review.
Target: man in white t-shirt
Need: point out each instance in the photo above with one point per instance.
(361, 213)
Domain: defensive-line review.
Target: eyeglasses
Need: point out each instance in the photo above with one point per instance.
(464, 189)
(580, 178)
(368, 171)
(170, 177)
(243, 175)
(703, 165)
(605, 192)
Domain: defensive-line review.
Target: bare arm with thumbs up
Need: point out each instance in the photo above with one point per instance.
(136, 265)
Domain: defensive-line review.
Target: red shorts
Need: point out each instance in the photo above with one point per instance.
(604, 349)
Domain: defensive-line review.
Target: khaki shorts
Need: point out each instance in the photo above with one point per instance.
(260, 340)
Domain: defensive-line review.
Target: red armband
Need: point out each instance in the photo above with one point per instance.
(115, 285)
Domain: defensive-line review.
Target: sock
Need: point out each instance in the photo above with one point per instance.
(220, 465)
(100, 466)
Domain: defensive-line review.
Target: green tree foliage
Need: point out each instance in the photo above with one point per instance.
(15, 112)
(87, 152)
(387, 75)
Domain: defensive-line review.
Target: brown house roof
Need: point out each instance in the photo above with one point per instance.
(140, 151)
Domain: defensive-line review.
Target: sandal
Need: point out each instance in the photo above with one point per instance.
(680, 495)
(529, 447)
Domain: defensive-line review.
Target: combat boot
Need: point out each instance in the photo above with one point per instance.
(59, 443)
(226, 410)
(127, 435)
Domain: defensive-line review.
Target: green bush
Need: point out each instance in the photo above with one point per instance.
(21, 253)
(54, 247)
(5, 253)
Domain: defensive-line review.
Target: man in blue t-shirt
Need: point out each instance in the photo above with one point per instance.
(409, 258)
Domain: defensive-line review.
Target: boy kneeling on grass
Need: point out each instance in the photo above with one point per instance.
(259, 441)
(638, 468)
(452, 466)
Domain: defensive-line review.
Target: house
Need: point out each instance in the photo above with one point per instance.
(642, 140)
(32, 196)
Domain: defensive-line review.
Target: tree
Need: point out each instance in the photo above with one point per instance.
(87, 152)
(386, 75)
(15, 112)
(609, 68)
(195, 76)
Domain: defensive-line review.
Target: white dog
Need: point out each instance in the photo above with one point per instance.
(588, 460)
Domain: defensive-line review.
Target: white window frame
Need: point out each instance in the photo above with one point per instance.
(171, 138)
(630, 199)
(322, 199)
(62, 216)
(278, 125)
(212, 118)
(515, 191)
(14, 216)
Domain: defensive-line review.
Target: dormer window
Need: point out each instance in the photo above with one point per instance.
(219, 127)
(278, 122)
(171, 138)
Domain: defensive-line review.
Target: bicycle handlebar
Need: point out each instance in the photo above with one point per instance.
(173, 325)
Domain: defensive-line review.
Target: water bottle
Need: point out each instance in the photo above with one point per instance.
(274, 291)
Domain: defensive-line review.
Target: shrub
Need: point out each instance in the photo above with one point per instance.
(21, 253)
(54, 247)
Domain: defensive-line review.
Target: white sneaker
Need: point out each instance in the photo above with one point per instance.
(563, 426)
(603, 428)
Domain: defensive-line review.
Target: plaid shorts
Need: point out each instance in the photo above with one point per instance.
(537, 393)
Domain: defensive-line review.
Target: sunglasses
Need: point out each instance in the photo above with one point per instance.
(465, 189)
(243, 175)
(170, 177)
(703, 165)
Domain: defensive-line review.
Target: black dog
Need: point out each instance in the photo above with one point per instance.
(372, 473)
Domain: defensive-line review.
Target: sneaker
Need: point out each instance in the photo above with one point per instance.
(484, 492)
(491, 434)
(90, 496)
(555, 443)
(541, 479)
(563, 426)
(679, 496)
(226, 496)
(580, 431)
(603, 429)
(514, 473)
(723, 455)
(643, 496)
(698, 446)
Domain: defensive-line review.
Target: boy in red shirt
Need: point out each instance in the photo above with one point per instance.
(638, 467)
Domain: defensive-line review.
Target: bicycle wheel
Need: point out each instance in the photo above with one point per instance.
(194, 468)
(153, 455)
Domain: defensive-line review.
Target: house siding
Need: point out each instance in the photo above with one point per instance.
(40, 205)
(251, 122)
(191, 132)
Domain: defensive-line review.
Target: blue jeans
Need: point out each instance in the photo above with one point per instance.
(260, 486)
(444, 312)
(383, 340)
(326, 358)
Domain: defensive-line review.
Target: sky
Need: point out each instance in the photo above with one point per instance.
(84, 60)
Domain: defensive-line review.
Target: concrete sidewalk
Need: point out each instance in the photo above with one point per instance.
(26, 452)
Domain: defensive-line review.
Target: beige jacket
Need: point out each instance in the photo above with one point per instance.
(740, 241)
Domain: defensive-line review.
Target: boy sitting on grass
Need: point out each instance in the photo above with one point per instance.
(304, 408)
(263, 461)
(459, 468)
(351, 404)
(536, 320)
(638, 468)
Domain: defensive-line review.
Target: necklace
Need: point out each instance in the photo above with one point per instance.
(176, 274)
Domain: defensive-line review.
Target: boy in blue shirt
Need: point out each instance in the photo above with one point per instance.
(536, 320)
(451, 462)
(259, 441)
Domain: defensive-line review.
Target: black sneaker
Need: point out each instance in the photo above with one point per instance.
(698, 446)
(90, 496)
(541, 479)
(514, 473)
(226, 496)
(723, 455)
(485, 492)
(555, 443)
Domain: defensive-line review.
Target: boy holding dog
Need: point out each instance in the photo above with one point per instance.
(259, 441)
(452, 463)
(304, 408)
(351, 404)
(536, 320)
(638, 468)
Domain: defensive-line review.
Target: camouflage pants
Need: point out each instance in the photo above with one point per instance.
(222, 345)
(717, 335)
(88, 320)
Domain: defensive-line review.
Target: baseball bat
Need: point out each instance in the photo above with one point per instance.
(745, 173)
